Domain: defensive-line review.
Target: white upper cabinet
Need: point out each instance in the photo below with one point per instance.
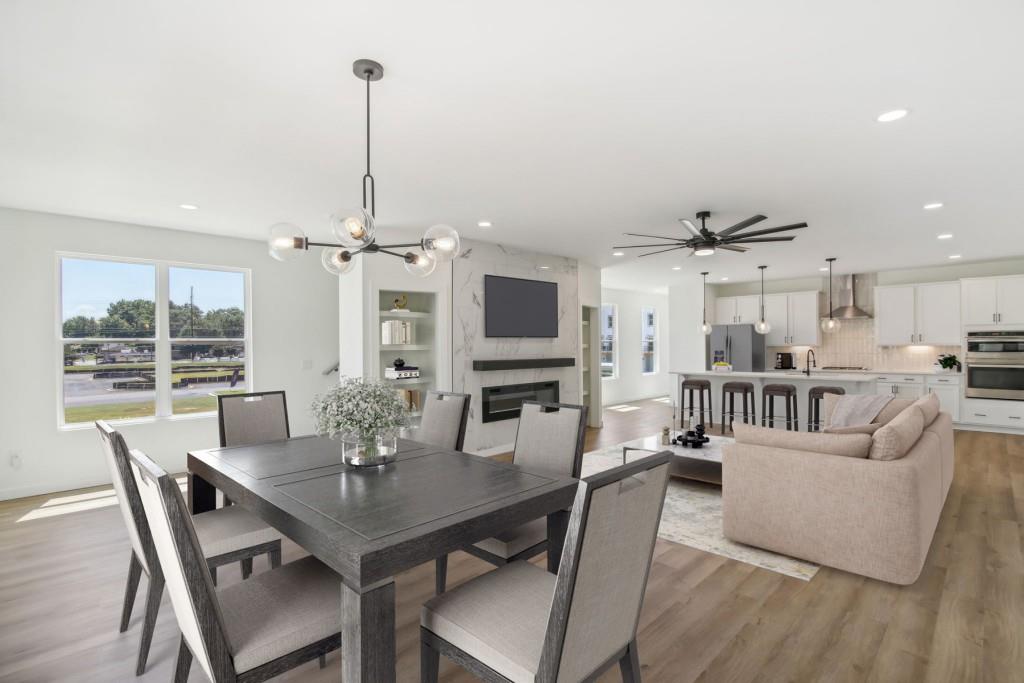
(776, 312)
(1010, 297)
(993, 300)
(737, 309)
(725, 310)
(804, 321)
(918, 314)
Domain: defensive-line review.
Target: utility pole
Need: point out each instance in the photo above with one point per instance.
(192, 316)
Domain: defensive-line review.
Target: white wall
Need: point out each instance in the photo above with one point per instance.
(686, 315)
(295, 318)
(631, 383)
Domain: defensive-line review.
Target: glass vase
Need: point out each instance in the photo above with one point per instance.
(373, 449)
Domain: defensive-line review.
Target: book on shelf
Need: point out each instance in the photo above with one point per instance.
(404, 372)
(396, 332)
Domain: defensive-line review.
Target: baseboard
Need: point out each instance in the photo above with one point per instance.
(987, 428)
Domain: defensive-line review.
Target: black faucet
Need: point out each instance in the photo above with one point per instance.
(810, 359)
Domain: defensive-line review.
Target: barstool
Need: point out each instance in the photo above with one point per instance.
(700, 386)
(788, 394)
(733, 388)
(814, 399)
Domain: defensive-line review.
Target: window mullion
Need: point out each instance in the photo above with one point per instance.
(163, 342)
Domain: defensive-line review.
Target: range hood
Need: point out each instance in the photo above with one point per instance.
(846, 291)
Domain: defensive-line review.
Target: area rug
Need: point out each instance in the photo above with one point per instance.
(693, 517)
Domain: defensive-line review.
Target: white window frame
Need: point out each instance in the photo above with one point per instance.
(161, 341)
(615, 341)
(643, 325)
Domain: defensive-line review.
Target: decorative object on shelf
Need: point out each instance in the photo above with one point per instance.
(365, 416)
(402, 372)
(356, 231)
(666, 438)
(950, 363)
(704, 242)
(692, 439)
(401, 303)
(398, 363)
(704, 327)
(394, 332)
(830, 324)
(762, 326)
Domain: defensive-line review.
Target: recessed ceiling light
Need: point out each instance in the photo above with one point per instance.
(954, 256)
(933, 206)
(188, 207)
(724, 279)
(894, 115)
(824, 270)
(677, 267)
(484, 224)
(945, 236)
(618, 253)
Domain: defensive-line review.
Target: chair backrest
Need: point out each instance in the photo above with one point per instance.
(185, 572)
(252, 418)
(603, 573)
(444, 419)
(550, 437)
(116, 452)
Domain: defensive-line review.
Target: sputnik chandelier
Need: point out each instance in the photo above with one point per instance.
(356, 233)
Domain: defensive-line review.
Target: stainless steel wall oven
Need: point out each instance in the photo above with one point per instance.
(995, 365)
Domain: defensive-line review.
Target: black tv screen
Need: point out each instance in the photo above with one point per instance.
(514, 307)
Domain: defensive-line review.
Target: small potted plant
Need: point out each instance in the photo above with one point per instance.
(365, 416)
(949, 362)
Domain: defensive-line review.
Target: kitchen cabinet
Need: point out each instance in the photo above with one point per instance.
(776, 312)
(900, 386)
(993, 300)
(737, 309)
(947, 389)
(793, 318)
(982, 411)
(918, 314)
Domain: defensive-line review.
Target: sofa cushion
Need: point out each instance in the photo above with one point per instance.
(929, 405)
(849, 445)
(895, 439)
(855, 429)
(894, 408)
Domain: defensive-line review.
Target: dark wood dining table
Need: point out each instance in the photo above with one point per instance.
(369, 524)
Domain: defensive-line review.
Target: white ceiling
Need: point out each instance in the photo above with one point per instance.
(566, 124)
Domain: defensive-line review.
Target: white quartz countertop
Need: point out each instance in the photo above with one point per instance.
(787, 375)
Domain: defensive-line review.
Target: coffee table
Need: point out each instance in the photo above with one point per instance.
(700, 464)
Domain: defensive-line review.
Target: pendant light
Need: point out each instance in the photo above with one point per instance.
(762, 326)
(829, 324)
(705, 328)
(356, 230)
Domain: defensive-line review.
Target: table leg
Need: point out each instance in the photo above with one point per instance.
(558, 525)
(202, 496)
(368, 634)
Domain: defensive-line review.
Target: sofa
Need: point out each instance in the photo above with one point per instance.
(866, 503)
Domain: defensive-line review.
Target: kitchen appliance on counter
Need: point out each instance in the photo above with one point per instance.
(785, 361)
(995, 365)
(738, 345)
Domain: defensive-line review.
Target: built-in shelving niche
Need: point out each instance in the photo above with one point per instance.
(420, 315)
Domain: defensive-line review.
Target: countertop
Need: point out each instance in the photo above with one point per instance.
(816, 375)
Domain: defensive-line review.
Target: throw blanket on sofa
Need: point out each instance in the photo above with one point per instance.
(858, 409)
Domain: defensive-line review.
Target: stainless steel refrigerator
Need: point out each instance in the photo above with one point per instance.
(739, 345)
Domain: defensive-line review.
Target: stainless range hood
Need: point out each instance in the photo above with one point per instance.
(847, 290)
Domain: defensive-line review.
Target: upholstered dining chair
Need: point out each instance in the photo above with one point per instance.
(550, 438)
(226, 535)
(520, 623)
(252, 418)
(444, 420)
(247, 632)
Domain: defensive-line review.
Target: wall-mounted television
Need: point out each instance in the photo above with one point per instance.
(514, 307)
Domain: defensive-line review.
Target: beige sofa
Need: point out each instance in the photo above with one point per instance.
(863, 515)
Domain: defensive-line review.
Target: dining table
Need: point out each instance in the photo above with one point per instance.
(370, 524)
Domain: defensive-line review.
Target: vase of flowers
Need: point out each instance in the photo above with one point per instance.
(365, 416)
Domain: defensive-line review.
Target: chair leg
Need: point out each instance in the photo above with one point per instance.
(246, 568)
(440, 574)
(796, 415)
(789, 416)
(323, 661)
(711, 412)
(134, 573)
(184, 663)
(275, 557)
(155, 592)
(700, 412)
(732, 412)
(213, 575)
(629, 665)
(430, 663)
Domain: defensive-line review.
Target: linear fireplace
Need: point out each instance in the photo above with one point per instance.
(506, 402)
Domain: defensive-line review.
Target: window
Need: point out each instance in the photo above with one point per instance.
(648, 332)
(142, 339)
(609, 369)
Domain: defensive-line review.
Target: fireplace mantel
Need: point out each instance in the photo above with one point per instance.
(522, 363)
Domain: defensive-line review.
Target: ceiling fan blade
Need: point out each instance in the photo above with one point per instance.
(731, 248)
(641, 246)
(742, 241)
(691, 254)
(664, 250)
(657, 237)
(768, 231)
(688, 224)
(742, 224)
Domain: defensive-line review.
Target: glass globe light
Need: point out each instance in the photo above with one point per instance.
(337, 261)
(420, 264)
(286, 241)
(441, 242)
(762, 326)
(353, 230)
(829, 325)
(706, 329)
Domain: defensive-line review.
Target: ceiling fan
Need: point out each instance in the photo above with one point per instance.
(704, 242)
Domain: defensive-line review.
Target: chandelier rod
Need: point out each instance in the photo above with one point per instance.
(368, 176)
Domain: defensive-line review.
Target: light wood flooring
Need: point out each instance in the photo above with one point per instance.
(706, 618)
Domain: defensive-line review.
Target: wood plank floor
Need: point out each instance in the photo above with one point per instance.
(63, 561)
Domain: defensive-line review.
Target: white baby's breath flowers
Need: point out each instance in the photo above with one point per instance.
(359, 407)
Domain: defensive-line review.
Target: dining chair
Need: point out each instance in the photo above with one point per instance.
(549, 439)
(247, 632)
(521, 623)
(444, 420)
(252, 418)
(227, 535)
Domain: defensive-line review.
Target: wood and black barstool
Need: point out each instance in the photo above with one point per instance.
(730, 389)
(788, 394)
(700, 386)
(814, 399)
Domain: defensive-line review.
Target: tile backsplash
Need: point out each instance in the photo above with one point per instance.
(854, 345)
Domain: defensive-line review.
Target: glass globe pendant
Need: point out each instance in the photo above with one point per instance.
(441, 242)
(337, 261)
(286, 241)
(762, 326)
(830, 325)
(706, 329)
(420, 265)
(354, 230)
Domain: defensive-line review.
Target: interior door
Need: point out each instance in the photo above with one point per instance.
(978, 301)
(894, 316)
(1010, 300)
(776, 312)
(938, 313)
(748, 309)
(725, 310)
(804, 329)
